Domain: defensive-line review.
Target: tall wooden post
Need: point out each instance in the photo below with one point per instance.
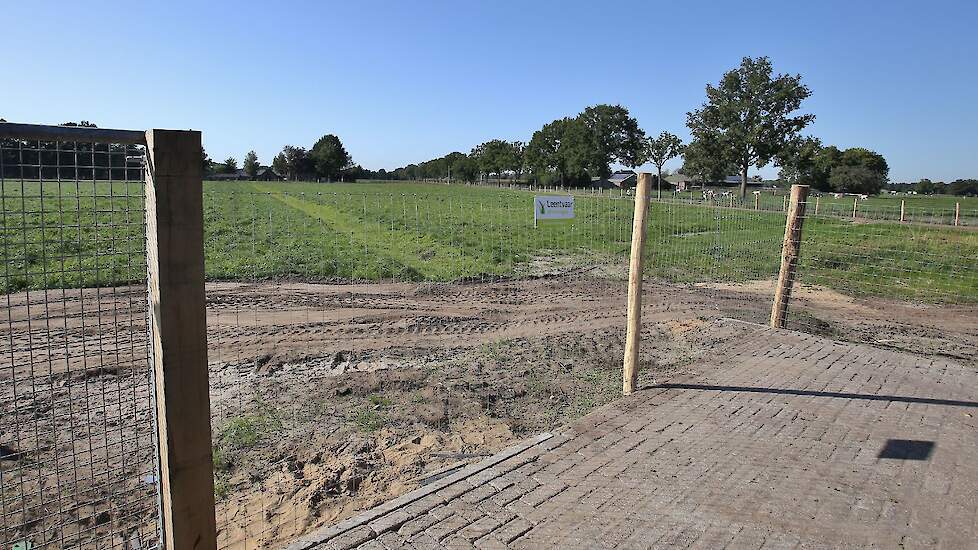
(903, 211)
(957, 214)
(855, 204)
(635, 267)
(784, 203)
(757, 201)
(789, 254)
(175, 274)
(816, 205)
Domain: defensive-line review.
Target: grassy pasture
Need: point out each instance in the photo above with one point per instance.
(92, 234)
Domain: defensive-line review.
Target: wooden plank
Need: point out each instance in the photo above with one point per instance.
(636, 265)
(175, 265)
(789, 254)
(71, 133)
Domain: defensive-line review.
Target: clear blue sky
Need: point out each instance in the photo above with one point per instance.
(402, 82)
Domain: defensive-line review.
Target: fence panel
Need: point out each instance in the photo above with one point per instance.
(77, 453)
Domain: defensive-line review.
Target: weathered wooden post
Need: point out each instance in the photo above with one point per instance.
(957, 214)
(757, 200)
(816, 205)
(789, 254)
(635, 267)
(855, 205)
(178, 332)
(903, 210)
(784, 204)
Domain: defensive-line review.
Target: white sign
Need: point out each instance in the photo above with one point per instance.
(553, 208)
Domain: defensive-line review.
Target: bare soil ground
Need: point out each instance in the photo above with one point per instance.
(329, 399)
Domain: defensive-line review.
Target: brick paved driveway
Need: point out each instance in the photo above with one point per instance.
(782, 440)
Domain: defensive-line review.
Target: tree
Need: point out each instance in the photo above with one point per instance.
(925, 187)
(855, 179)
(613, 136)
(660, 150)
(293, 162)
(703, 161)
(329, 157)
(251, 164)
(230, 166)
(963, 187)
(206, 164)
(497, 155)
(748, 117)
(280, 164)
(561, 148)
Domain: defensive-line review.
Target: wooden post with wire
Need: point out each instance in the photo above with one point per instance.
(816, 205)
(178, 333)
(903, 211)
(957, 214)
(757, 201)
(789, 254)
(635, 267)
(855, 205)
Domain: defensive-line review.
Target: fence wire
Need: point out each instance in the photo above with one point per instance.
(343, 328)
(77, 455)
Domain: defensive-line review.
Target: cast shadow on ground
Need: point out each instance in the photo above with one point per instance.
(810, 393)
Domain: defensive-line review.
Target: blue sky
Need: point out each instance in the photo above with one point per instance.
(402, 82)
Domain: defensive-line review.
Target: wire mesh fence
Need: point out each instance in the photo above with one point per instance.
(366, 339)
(77, 454)
(360, 343)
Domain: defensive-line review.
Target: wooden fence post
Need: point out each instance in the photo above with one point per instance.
(784, 204)
(789, 254)
(957, 214)
(903, 211)
(175, 275)
(855, 204)
(636, 264)
(757, 200)
(816, 205)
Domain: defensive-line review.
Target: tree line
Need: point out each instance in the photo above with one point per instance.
(751, 119)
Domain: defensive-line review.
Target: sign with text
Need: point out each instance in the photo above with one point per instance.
(553, 207)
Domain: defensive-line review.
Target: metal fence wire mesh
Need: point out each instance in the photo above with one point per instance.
(77, 455)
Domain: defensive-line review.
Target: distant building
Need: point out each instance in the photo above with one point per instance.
(622, 179)
(266, 173)
(238, 175)
(681, 182)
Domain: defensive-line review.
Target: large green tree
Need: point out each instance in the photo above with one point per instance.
(497, 155)
(614, 136)
(963, 187)
(329, 157)
(293, 162)
(559, 150)
(230, 166)
(660, 150)
(847, 178)
(832, 169)
(750, 115)
(251, 164)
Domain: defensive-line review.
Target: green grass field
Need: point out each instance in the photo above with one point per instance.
(92, 234)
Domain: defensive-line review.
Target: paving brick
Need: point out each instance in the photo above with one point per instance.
(772, 441)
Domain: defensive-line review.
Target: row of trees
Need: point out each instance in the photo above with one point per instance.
(750, 119)
(960, 187)
(326, 159)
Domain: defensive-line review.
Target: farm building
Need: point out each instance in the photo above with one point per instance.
(681, 182)
(237, 175)
(266, 173)
(622, 179)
